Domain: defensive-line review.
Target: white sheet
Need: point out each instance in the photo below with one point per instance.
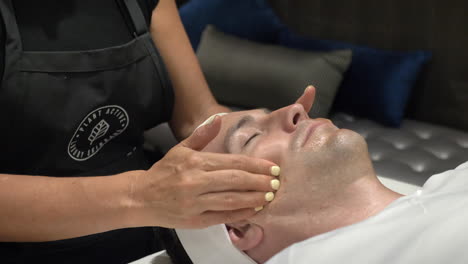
(398, 186)
(160, 257)
(429, 226)
(211, 245)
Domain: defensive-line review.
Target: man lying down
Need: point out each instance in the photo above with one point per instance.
(330, 207)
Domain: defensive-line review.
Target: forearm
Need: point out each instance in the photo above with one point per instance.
(187, 129)
(37, 208)
(193, 99)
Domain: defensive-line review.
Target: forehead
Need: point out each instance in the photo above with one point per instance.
(233, 117)
(228, 121)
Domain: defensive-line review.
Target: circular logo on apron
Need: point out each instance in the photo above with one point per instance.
(96, 130)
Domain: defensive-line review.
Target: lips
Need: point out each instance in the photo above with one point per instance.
(309, 130)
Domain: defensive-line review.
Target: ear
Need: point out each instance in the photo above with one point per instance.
(245, 235)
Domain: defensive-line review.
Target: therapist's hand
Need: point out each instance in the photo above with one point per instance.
(193, 189)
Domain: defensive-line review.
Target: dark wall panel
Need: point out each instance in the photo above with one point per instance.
(441, 95)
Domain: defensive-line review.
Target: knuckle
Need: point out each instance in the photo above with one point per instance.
(259, 199)
(229, 200)
(229, 217)
(258, 166)
(187, 183)
(235, 177)
(238, 162)
(178, 169)
(193, 160)
(265, 181)
(255, 200)
(262, 166)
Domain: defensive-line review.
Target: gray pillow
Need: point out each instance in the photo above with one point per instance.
(247, 74)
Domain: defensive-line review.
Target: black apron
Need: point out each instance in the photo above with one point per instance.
(81, 113)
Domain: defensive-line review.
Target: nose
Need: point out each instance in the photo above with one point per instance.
(291, 115)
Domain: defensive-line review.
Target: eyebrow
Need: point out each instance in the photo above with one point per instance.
(242, 122)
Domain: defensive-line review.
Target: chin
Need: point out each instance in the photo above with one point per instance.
(340, 145)
(350, 146)
(346, 138)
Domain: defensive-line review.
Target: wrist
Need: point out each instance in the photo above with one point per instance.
(131, 202)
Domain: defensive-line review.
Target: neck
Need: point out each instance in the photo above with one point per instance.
(358, 201)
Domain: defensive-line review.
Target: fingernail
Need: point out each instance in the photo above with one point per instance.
(207, 121)
(257, 209)
(275, 171)
(269, 196)
(210, 120)
(275, 184)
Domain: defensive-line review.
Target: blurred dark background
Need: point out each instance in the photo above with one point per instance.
(441, 95)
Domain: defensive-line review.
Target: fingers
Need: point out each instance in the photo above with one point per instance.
(232, 200)
(235, 180)
(229, 207)
(216, 161)
(220, 217)
(203, 134)
(307, 98)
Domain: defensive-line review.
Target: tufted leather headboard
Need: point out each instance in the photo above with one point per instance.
(441, 96)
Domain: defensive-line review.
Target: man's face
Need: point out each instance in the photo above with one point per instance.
(309, 151)
(288, 137)
(271, 135)
(315, 158)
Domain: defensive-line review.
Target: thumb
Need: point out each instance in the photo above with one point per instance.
(203, 135)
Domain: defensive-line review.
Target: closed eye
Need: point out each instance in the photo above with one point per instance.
(250, 139)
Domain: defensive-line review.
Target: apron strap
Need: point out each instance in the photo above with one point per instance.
(141, 29)
(13, 43)
(137, 17)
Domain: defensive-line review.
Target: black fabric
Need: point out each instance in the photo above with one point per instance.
(170, 241)
(2, 47)
(41, 97)
(50, 25)
(76, 110)
(138, 20)
(118, 246)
